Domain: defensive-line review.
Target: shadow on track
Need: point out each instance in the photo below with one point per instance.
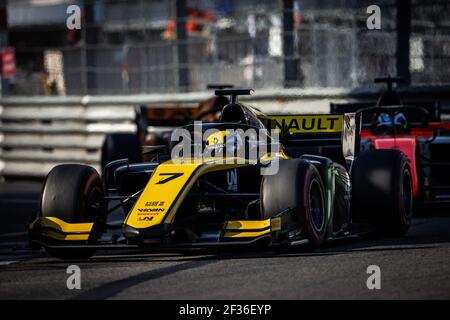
(113, 288)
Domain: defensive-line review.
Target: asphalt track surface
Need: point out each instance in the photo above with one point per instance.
(414, 267)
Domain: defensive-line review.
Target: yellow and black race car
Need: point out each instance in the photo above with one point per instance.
(309, 186)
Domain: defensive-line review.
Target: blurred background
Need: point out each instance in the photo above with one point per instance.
(156, 46)
(63, 91)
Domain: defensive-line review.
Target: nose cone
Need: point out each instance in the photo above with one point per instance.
(153, 233)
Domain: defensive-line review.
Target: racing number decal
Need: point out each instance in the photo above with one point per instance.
(171, 176)
(160, 194)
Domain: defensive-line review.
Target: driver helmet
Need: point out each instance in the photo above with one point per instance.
(224, 141)
(384, 123)
(400, 122)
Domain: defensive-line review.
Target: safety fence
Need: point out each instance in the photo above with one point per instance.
(37, 133)
(132, 46)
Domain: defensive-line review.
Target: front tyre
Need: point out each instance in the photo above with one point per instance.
(382, 190)
(73, 193)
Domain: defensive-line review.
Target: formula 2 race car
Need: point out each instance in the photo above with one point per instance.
(417, 131)
(323, 188)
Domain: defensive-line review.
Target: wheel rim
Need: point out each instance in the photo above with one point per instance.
(407, 194)
(316, 206)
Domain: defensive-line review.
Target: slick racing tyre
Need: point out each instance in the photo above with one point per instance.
(72, 193)
(120, 146)
(297, 186)
(382, 190)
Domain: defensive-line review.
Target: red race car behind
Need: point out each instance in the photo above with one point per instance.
(417, 130)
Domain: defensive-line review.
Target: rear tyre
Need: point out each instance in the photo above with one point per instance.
(382, 190)
(120, 146)
(297, 186)
(73, 193)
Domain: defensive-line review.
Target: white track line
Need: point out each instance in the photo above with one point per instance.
(14, 201)
(13, 234)
(8, 262)
(13, 244)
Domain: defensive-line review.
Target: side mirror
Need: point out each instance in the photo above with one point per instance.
(108, 173)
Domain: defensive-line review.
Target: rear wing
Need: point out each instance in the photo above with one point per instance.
(170, 116)
(304, 124)
(433, 107)
(180, 114)
(333, 136)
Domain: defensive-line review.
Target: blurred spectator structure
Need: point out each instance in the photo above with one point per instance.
(139, 46)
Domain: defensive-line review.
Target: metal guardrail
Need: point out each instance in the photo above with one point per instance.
(37, 133)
